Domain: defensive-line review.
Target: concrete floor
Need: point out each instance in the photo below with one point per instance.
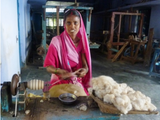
(136, 76)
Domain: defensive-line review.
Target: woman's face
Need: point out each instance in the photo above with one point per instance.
(72, 25)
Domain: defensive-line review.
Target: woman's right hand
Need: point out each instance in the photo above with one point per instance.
(64, 74)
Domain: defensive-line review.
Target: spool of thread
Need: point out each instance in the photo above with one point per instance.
(35, 84)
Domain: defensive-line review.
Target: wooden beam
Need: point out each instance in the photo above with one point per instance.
(68, 7)
(57, 20)
(109, 45)
(120, 51)
(130, 23)
(123, 13)
(112, 27)
(117, 43)
(89, 17)
(53, 23)
(119, 30)
(148, 52)
(141, 26)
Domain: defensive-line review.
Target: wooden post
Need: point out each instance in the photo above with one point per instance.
(44, 32)
(88, 22)
(112, 27)
(89, 17)
(53, 23)
(130, 23)
(119, 29)
(141, 26)
(109, 44)
(57, 20)
(148, 52)
(130, 20)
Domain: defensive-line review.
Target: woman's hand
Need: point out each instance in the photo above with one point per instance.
(81, 72)
(63, 74)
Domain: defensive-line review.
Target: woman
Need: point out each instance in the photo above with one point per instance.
(68, 56)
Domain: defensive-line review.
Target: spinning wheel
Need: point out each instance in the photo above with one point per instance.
(14, 84)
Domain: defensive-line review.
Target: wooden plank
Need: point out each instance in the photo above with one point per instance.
(117, 43)
(120, 51)
(125, 13)
(148, 52)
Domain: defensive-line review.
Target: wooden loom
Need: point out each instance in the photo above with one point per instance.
(118, 43)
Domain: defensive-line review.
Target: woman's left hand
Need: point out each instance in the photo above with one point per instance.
(81, 72)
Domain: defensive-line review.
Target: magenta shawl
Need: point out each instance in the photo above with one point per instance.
(62, 50)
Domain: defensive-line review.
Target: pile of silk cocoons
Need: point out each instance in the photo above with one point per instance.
(123, 97)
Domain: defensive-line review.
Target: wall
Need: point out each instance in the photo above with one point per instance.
(24, 30)
(155, 21)
(0, 42)
(101, 5)
(9, 40)
(37, 19)
(121, 3)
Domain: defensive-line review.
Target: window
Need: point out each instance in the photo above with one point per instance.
(53, 22)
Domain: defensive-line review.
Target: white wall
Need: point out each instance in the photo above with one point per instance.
(25, 29)
(0, 43)
(9, 40)
(155, 21)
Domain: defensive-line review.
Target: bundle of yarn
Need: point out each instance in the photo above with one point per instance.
(123, 97)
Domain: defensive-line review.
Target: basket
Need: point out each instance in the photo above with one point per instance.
(111, 109)
(104, 107)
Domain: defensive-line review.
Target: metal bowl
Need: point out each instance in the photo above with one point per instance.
(67, 98)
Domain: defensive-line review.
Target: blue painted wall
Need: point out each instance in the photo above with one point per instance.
(37, 19)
